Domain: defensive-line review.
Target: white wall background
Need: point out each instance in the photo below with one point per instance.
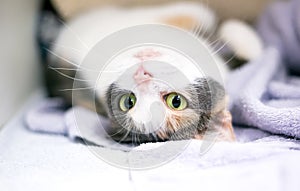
(19, 71)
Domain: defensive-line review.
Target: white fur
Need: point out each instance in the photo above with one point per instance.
(81, 34)
(242, 39)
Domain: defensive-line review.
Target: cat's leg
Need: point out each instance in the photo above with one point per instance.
(241, 38)
(194, 17)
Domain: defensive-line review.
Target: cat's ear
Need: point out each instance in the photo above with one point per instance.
(221, 119)
(211, 95)
(213, 100)
(219, 128)
(223, 127)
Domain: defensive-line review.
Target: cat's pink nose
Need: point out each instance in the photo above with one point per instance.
(141, 75)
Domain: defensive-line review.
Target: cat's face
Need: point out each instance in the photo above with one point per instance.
(155, 101)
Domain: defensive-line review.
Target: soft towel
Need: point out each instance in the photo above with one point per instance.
(31, 161)
(65, 122)
(279, 26)
(263, 93)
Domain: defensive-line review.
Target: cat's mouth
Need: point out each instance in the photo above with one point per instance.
(137, 136)
(134, 138)
(219, 126)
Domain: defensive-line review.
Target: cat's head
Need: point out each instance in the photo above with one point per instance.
(157, 100)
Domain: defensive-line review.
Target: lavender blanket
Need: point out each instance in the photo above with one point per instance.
(264, 93)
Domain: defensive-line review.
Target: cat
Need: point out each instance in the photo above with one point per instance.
(148, 110)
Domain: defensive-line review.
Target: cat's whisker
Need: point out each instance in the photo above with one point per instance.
(64, 59)
(121, 130)
(206, 6)
(60, 68)
(69, 77)
(194, 28)
(107, 71)
(230, 59)
(73, 32)
(219, 49)
(212, 34)
(116, 133)
(125, 135)
(74, 89)
(198, 29)
(78, 67)
(217, 45)
(81, 69)
(72, 69)
(211, 44)
(204, 30)
(119, 115)
(66, 47)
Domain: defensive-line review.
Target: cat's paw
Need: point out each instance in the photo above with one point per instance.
(241, 38)
(195, 17)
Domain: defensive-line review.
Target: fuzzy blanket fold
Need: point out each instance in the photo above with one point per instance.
(266, 95)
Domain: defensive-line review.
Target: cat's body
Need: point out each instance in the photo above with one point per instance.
(139, 102)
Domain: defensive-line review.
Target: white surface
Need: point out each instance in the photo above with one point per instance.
(31, 161)
(19, 73)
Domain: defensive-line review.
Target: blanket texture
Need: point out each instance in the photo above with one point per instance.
(266, 93)
(31, 161)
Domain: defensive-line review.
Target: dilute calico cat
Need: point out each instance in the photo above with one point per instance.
(148, 101)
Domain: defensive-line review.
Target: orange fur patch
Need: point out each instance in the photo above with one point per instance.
(186, 22)
(177, 119)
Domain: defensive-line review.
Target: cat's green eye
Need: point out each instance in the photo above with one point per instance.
(176, 101)
(127, 102)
